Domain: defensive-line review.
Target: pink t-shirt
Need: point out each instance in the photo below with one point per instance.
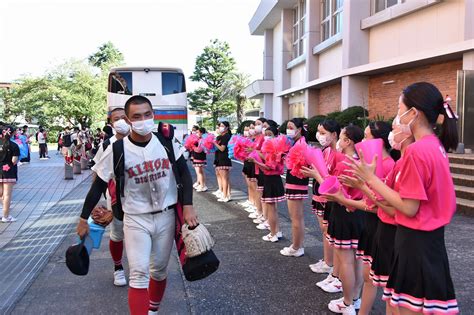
(391, 181)
(425, 176)
(332, 157)
(387, 165)
(259, 140)
(343, 169)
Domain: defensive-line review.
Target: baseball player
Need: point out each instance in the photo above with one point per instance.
(149, 202)
(122, 129)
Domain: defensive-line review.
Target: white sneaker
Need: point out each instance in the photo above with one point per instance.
(9, 219)
(245, 204)
(326, 281)
(320, 267)
(333, 287)
(291, 252)
(119, 278)
(217, 193)
(222, 199)
(356, 303)
(152, 312)
(316, 265)
(279, 234)
(259, 219)
(270, 238)
(253, 215)
(251, 209)
(201, 189)
(264, 226)
(195, 185)
(341, 308)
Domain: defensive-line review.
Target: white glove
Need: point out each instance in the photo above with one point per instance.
(197, 241)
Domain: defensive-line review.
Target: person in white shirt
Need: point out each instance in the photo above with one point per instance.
(42, 144)
(149, 204)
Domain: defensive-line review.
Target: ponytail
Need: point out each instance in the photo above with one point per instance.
(449, 131)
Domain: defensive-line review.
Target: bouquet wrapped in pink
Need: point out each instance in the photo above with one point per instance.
(274, 150)
(296, 158)
(191, 142)
(208, 143)
(240, 147)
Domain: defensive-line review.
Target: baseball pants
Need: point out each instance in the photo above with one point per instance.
(116, 226)
(148, 242)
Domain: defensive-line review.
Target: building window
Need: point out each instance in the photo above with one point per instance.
(380, 5)
(331, 18)
(299, 28)
(296, 110)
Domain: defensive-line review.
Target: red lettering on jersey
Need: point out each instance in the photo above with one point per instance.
(165, 164)
(131, 173)
(148, 166)
(157, 164)
(139, 169)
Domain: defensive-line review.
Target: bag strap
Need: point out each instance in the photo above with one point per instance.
(119, 166)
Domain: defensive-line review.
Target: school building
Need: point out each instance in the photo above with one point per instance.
(326, 55)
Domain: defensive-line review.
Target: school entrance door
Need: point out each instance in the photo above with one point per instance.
(465, 107)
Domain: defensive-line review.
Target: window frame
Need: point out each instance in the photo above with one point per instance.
(330, 30)
(298, 29)
(373, 6)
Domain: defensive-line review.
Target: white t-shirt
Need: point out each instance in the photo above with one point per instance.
(100, 150)
(150, 184)
(41, 138)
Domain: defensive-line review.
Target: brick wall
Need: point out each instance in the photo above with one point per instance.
(383, 99)
(329, 99)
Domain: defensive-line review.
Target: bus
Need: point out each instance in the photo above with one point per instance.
(164, 87)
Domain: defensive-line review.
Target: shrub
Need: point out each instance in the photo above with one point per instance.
(357, 115)
(313, 123)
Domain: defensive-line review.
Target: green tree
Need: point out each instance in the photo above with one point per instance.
(234, 90)
(106, 57)
(214, 67)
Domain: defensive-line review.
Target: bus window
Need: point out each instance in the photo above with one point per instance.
(173, 83)
(121, 83)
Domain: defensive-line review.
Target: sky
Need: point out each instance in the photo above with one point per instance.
(36, 35)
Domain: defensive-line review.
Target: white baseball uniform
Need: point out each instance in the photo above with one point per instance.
(150, 186)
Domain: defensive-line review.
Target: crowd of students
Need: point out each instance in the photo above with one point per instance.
(378, 231)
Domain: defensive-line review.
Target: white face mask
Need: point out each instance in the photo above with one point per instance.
(263, 130)
(267, 138)
(143, 127)
(405, 128)
(291, 133)
(258, 129)
(122, 127)
(221, 130)
(246, 133)
(252, 132)
(394, 144)
(323, 140)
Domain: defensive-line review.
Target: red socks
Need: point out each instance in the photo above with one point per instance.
(156, 290)
(138, 301)
(116, 251)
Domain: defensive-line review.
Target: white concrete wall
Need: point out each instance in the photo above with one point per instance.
(277, 73)
(298, 75)
(433, 27)
(330, 61)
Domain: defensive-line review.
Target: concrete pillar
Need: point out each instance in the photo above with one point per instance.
(468, 60)
(355, 43)
(287, 30)
(313, 36)
(354, 91)
(268, 55)
(468, 19)
(310, 101)
(267, 106)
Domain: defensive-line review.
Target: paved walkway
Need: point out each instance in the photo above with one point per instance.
(40, 185)
(253, 278)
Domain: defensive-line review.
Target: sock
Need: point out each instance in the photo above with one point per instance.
(116, 251)
(138, 301)
(156, 290)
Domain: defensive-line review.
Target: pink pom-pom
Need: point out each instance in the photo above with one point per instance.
(296, 158)
(274, 150)
(191, 141)
(208, 142)
(241, 146)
